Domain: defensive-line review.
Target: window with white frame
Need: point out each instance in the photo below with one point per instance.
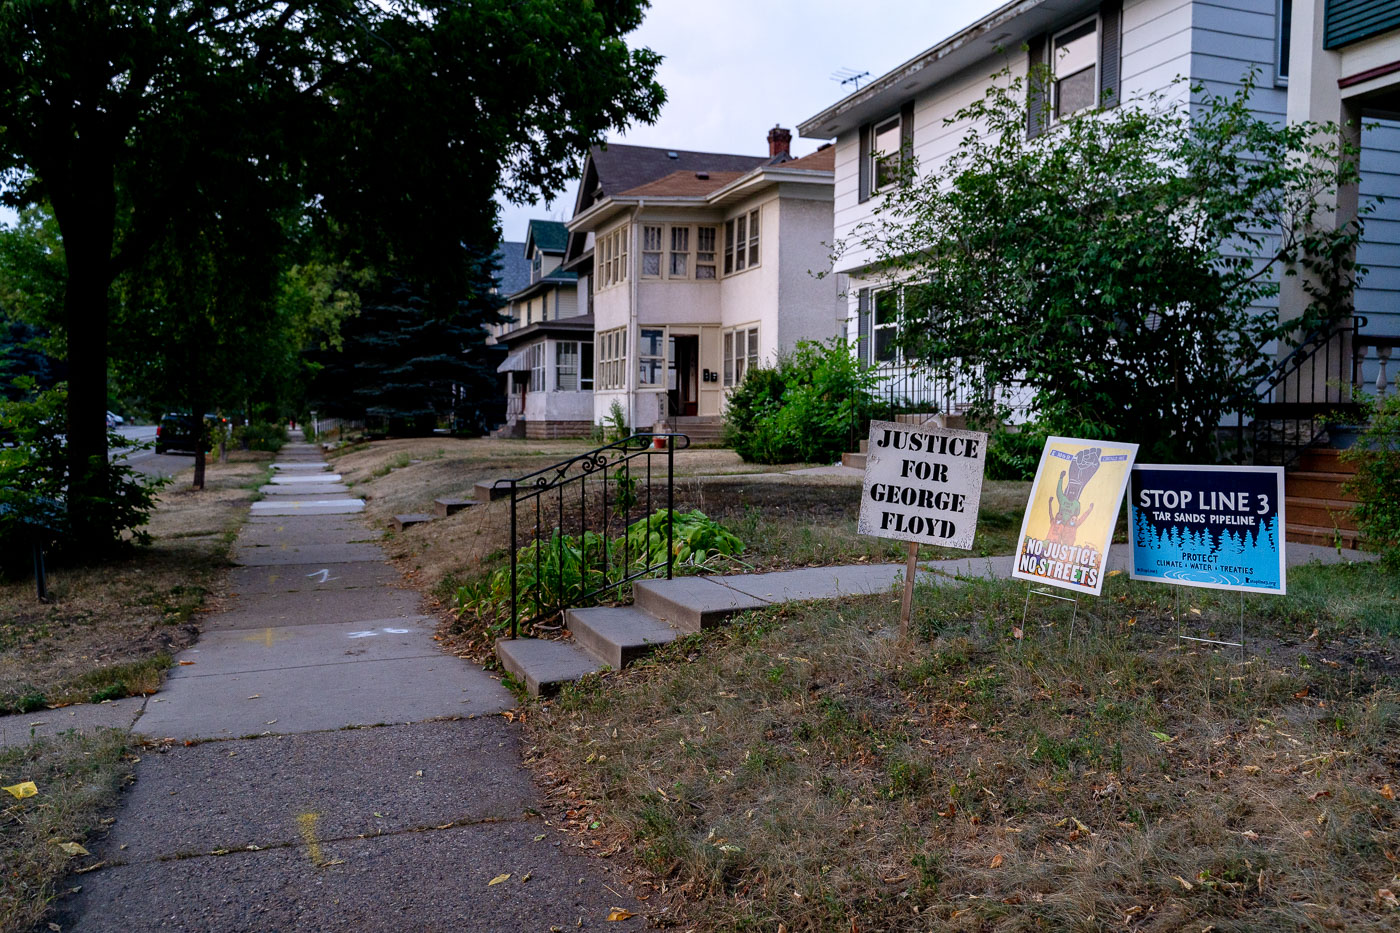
(535, 356)
(612, 357)
(566, 366)
(1074, 65)
(610, 257)
(741, 242)
(740, 353)
(678, 259)
(651, 249)
(651, 356)
(1283, 21)
(705, 252)
(886, 152)
(885, 324)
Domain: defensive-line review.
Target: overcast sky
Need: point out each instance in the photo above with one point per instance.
(733, 68)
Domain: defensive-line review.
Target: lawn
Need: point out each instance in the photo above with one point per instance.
(109, 630)
(806, 769)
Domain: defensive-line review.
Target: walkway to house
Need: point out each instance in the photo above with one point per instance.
(356, 779)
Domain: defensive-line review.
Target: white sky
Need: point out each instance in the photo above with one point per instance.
(733, 68)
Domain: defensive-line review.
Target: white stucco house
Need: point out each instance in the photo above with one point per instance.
(696, 266)
(1128, 48)
(547, 375)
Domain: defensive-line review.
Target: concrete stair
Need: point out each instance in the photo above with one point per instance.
(701, 429)
(1317, 509)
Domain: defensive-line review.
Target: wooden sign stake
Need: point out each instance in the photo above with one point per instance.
(911, 569)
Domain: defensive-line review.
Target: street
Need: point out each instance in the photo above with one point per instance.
(148, 461)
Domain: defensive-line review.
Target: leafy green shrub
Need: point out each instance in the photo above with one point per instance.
(805, 409)
(34, 483)
(1377, 482)
(615, 426)
(1015, 455)
(560, 569)
(261, 435)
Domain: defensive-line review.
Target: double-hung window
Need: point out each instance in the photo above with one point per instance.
(651, 355)
(705, 252)
(651, 250)
(611, 257)
(679, 256)
(740, 353)
(741, 242)
(885, 326)
(566, 366)
(612, 356)
(886, 152)
(536, 359)
(1074, 66)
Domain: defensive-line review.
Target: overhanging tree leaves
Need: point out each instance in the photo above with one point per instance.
(399, 120)
(1121, 265)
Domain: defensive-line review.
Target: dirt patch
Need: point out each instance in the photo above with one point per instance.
(109, 629)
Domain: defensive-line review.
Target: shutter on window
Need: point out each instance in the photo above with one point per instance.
(1110, 51)
(906, 134)
(864, 325)
(1036, 117)
(865, 163)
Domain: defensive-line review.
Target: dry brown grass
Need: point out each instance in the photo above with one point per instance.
(805, 770)
(110, 628)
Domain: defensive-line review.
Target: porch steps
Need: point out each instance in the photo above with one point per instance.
(1317, 509)
(701, 429)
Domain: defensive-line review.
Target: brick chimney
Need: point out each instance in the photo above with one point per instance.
(779, 143)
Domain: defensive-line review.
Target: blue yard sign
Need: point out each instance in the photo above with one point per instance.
(1219, 527)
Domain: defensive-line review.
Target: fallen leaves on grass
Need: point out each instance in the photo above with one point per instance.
(71, 848)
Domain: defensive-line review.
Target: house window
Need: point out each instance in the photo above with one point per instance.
(885, 330)
(535, 267)
(651, 354)
(680, 253)
(586, 367)
(651, 250)
(566, 366)
(1283, 42)
(886, 153)
(1074, 61)
(705, 252)
(611, 256)
(536, 358)
(741, 242)
(612, 356)
(740, 353)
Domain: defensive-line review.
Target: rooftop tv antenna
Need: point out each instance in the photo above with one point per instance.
(849, 76)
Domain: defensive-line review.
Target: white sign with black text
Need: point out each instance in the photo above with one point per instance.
(922, 483)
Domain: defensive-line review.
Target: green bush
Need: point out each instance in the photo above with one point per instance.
(560, 569)
(1015, 455)
(1377, 483)
(261, 435)
(34, 478)
(806, 409)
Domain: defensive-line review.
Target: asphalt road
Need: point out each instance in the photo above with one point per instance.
(148, 461)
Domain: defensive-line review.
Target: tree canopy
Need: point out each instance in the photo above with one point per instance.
(1121, 267)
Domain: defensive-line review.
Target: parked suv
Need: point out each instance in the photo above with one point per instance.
(177, 431)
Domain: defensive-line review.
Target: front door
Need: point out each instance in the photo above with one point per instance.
(683, 375)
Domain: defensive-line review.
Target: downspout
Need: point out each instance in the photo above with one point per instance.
(634, 327)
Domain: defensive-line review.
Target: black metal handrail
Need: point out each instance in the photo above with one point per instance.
(1290, 404)
(906, 388)
(559, 496)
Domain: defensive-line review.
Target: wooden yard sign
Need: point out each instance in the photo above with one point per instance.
(922, 485)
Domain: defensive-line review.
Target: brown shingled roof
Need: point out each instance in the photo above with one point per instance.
(683, 185)
(823, 160)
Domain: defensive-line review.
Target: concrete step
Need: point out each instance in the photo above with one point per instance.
(855, 461)
(1323, 537)
(1314, 484)
(1324, 460)
(487, 491)
(446, 507)
(1323, 513)
(618, 635)
(544, 666)
(692, 603)
(408, 521)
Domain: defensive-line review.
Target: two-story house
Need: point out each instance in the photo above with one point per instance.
(698, 266)
(548, 370)
(1123, 48)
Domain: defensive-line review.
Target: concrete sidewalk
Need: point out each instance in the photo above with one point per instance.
(361, 782)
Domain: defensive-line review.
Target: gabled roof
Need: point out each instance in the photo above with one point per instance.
(548, 235)
(514, 273)
(823, 160)
(621, 168)
(682, 185)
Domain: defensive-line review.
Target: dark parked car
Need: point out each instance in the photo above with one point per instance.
(176, 431)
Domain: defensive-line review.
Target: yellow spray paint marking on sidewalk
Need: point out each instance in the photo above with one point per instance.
(268, 637)
(306, 822)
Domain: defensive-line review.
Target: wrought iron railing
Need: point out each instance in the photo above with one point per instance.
(916, 393)
(1294, 401)
(570, 522)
